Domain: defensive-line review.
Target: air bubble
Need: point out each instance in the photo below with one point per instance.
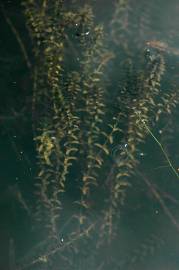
(62, 240)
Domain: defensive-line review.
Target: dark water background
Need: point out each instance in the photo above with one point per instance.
(17, 151)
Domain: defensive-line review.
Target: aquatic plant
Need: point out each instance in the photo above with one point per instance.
(95, 102)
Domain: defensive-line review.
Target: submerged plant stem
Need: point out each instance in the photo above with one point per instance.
(161, 147)
(18, 38)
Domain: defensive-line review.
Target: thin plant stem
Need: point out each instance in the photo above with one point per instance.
(18, 38)
(161, 147)
(159, 198)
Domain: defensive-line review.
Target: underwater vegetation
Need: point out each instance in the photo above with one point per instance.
(103, 102)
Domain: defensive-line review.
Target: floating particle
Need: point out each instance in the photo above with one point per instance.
(62, 240)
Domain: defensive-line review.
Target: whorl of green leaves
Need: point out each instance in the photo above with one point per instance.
(127, 161)
(68, 105)
(76, 127)
(119, 24)
(58, 125)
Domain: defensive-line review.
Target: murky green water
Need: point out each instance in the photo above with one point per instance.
(59, 111)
